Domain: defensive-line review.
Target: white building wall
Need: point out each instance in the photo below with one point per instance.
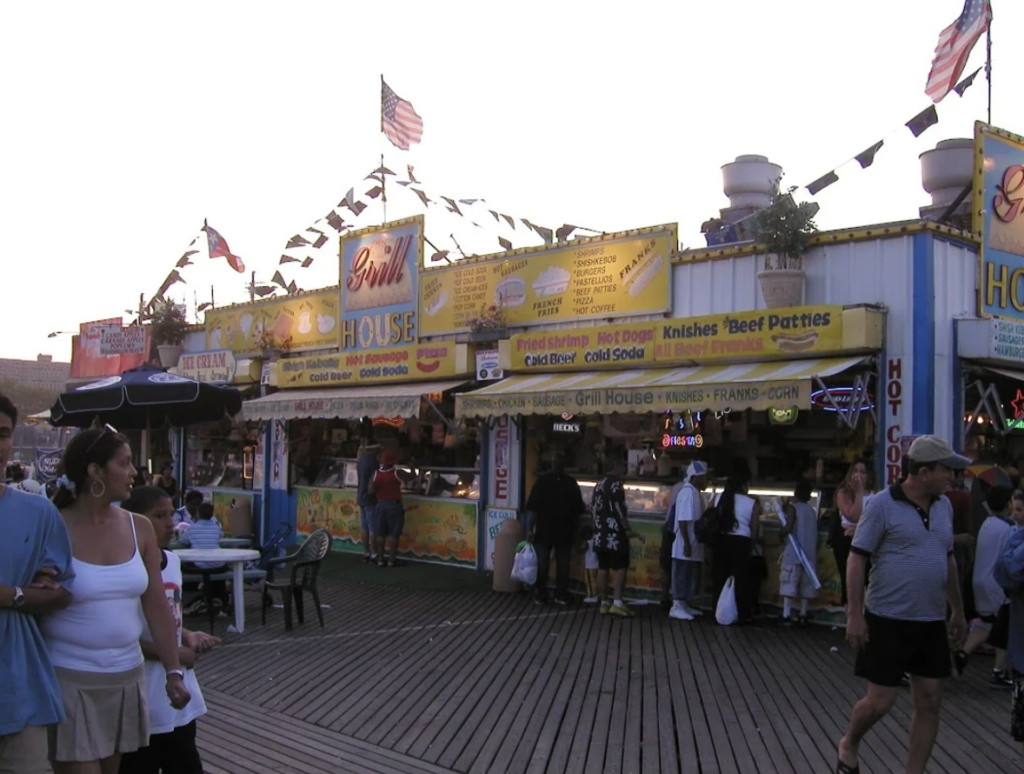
(956, 296)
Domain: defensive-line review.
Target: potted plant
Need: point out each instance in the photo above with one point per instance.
(169, 327)
(785, 229)
(489, 324)
(271, 346)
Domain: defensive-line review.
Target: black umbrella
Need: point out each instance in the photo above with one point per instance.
(144, 398)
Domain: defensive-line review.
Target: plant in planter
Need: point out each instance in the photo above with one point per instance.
(271, 345)
(169, 327)
(785, 229)
(489, 324)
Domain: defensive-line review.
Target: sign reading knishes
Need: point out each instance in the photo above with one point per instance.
(115, 340)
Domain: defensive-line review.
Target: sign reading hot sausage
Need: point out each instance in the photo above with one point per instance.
(418, 362)
(619, 275)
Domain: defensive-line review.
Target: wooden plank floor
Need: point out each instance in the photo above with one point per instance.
(407, 681)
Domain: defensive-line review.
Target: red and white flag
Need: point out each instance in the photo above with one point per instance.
(398, 120)
(219, 248)
(954, 48)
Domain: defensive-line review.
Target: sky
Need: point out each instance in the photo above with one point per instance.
(129, 123)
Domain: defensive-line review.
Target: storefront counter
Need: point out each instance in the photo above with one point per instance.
(437, 529)
(224, 500)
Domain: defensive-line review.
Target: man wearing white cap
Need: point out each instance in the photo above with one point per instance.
(907, 532)
(687, 552)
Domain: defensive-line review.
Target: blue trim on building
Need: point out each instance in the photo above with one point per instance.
(959, 408)
(923, 321)
(485, 487)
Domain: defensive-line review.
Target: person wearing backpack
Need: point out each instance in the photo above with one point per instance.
(739, 518)
(687, 552)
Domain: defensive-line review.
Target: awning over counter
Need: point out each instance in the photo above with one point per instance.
(377, 400)
(779, 384)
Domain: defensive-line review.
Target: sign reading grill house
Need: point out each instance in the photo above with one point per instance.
(713, 397)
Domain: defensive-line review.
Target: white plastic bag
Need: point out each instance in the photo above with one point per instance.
(727, 613)
(524, 568)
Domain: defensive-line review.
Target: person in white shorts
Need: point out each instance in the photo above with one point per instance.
(794, 580)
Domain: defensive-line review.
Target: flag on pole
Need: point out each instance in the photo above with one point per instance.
(219, 248)
(954, 48)
(398, 120)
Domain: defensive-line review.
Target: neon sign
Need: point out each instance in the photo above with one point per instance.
(843, 397)
(682, 441)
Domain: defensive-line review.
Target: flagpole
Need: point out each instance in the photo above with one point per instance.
(384, 189)
(988, 68)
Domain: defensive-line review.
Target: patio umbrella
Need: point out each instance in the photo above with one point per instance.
(993, 475)
(143, 398)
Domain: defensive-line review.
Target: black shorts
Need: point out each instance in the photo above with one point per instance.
(613, 560)
(918, 648)
(1017, 708)
(174, 752)
(999, 635)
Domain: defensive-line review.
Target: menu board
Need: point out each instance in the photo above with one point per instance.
(614, 276)
(309, 320)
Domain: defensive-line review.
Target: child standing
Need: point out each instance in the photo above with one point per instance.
(590, 564)
(794, 581)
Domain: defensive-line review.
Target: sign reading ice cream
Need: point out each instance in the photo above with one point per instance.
(619, 275)
(379, 280)
(310, 320)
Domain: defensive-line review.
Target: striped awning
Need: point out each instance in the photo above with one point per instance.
(371, 400)
(778, 384)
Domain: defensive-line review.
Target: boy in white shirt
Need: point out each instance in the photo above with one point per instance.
(687, 551)
(794, 582)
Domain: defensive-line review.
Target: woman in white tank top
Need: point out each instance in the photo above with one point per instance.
(94, 642)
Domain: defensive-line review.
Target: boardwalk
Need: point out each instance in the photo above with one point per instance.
(411, 681)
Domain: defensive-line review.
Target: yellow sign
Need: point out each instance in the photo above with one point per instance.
(435, 530)
(614, 276)
(999, 218)
(437, 360)
(311, 320)
(614, 346)
(774, 332)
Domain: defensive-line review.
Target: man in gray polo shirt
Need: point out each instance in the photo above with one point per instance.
(907, 533)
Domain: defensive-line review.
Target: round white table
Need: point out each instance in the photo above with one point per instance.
(234, 558)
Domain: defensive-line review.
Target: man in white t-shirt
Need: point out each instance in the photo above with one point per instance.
(687, 551)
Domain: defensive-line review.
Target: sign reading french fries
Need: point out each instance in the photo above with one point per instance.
(619, 275)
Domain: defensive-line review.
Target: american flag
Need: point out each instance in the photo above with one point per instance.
(954, 48)
(219, 248)
(400, 122)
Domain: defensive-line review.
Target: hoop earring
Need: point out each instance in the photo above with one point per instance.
(92, 489)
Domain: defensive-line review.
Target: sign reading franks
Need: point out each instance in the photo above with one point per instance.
(619, 275)
(999, 217)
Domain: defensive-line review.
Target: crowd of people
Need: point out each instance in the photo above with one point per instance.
(97, 666)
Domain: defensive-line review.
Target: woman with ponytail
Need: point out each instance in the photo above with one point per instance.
(739, 520)
(94, 642)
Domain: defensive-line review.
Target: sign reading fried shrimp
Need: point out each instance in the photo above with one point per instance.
(619, 275)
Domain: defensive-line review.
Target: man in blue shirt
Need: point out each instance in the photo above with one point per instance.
(366, 466)
(35, 579)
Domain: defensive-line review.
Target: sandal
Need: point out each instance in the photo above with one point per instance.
(846, 768)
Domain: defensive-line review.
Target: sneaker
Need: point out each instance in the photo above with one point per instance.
(905, 680)
(801, 622)
(563, 600)
(591, 600)
(680, 613)
(621, 610)
(540, 600)
(692, 610)
(1000, 680)
(605, 607)
(367, 558)
(788, 622)
(960, 659)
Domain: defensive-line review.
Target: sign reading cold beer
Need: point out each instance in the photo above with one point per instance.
(999, 217)
(619, 275)
(379, 282)
(617, 346)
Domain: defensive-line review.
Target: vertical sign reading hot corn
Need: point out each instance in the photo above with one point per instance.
(619, 275)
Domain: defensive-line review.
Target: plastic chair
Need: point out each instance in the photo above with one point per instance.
(307, 560)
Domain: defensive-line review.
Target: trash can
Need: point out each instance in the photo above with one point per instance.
(510, 533)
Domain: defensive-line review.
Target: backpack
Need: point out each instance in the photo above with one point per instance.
(708, 528)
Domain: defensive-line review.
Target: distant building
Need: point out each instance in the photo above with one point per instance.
(41, 372)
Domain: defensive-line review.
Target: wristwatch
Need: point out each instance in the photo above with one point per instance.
(179, 672)
(19, 598)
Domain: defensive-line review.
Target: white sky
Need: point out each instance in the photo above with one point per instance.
(128, 123)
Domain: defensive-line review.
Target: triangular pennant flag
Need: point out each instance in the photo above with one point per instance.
(468, 202)
(296, 241)
(822, 182)
(919, 123)
(405, 183)
(374, 192)
(307, 263)
(496, 217)
(277, 278)
(867, 157)
(263, 290)
(965, 84)
(287, 259)
(452, 206)
(564, 232)
(193, 241)
(357, 208)
(527, 223)
(505, 244)
(375, 178)
(440, 255)
(423, 197)
(204, 306)
(511, 221)
(320, 241)
(292, 287)
(184, 260)
(350, 197)
(382, 171)
(545, 233)
(336, 221)
(313, 230)
(412, 177)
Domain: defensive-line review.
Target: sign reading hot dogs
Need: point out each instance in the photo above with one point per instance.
(392, 364)
(613, 346)
(619, 275)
